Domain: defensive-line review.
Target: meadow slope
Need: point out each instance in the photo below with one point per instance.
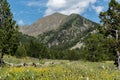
(61, 70)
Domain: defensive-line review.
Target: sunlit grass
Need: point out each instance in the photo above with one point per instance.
(66, 70)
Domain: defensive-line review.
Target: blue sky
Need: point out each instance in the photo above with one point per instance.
(26, 12)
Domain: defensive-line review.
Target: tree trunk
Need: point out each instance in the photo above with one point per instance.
(118, 53)
(116, 35)
(1, 58)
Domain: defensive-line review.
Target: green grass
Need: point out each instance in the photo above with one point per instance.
(64, 70)
(15, 60)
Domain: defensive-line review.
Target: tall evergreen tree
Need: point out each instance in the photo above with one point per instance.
(98, 48)
(9, 39)
(21, 51)
(110, 20)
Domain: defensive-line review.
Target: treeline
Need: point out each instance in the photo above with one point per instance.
(96, 48)
(30, 46)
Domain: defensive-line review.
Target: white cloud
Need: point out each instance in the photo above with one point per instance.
(21, 22)
(35, 3)
(68, 6)
(98, 9)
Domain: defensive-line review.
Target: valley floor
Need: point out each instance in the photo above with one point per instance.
(60, 70)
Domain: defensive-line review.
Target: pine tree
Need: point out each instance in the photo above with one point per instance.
(9, 39)
(98, 48)
(110, 21)
(21, 51)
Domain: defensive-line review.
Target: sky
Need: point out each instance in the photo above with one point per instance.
(26, 12)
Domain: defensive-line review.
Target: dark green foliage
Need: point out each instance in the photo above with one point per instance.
(98, 48)
(73, 55)
(110, 20)
(9, 39)
(24, 39)
(32, 47)
(21, 51)
(36, 49)
(65, 54)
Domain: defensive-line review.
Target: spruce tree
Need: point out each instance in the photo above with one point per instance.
(9, 39)
(21, 51)
(110, 21)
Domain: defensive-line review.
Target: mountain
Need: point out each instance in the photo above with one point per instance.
(47, 23)
(71, 32)
(60, 31)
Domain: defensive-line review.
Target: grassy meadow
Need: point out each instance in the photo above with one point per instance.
(59, 70)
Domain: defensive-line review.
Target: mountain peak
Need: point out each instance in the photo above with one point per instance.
(74, 14)
(50, 22)
(57, 14)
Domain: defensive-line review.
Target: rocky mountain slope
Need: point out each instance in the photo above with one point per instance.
(73, 28)
(60, 31)
(47, 23)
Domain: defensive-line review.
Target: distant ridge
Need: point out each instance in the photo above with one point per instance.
(47, 23)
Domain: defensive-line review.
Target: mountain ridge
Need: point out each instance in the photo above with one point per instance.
(47, 23)
(60, 31)
(70, 32)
